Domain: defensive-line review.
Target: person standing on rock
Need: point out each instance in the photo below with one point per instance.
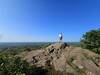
(60, 37)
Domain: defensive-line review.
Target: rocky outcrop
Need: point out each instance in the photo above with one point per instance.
(65, 58)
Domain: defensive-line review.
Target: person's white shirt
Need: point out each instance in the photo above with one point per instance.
(60, 35)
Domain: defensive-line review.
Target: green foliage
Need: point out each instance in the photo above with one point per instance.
(13, 66)
(91, 40)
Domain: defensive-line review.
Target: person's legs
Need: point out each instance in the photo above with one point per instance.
(60, 39)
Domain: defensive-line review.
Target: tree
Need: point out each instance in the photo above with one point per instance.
(91, 40)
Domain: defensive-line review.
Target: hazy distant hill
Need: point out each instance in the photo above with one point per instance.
(14, 44)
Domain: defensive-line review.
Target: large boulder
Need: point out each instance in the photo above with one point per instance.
(68, 59)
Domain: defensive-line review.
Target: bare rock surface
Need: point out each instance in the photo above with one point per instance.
(65, 58)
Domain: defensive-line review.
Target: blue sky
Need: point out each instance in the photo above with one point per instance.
(43, 20)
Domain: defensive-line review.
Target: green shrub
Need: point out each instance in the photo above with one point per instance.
(13, 66)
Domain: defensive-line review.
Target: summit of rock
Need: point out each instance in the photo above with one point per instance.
(65, 58)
